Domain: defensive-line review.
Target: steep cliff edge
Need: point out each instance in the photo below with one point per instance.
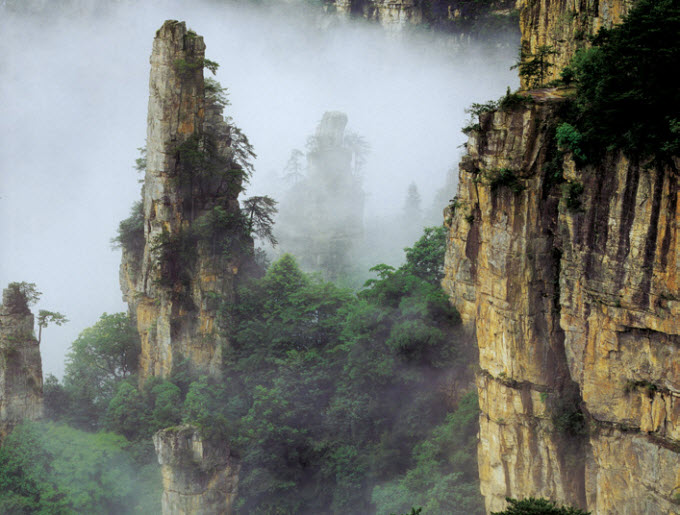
(21, 394)
(199, 477)
(564, 26)
(567, 276)
(467, 18)
(186, 244)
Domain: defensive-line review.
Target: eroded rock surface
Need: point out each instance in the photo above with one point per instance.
(199, 477)
(575, 312)
(564, 26)
(572, 293)
(21, 393)
(174, 278)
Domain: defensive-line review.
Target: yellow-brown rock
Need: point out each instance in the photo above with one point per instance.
(21, 383)
(569, 303)
(564, 26)
(199, 477)
(574, 302)
(174, 282)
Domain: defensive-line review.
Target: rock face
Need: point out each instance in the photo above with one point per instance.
(565, 25)
(21, 393)
(321, 219)
(180, 270)
(396, 16)
(574, 301)
(199, 478)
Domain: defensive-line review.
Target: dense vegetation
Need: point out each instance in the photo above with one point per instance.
(627, 96)
(55, 469)
(532, 506)
(334, 401)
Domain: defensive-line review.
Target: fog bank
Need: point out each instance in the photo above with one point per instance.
(73, 96)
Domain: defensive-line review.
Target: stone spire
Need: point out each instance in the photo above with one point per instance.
(21, 394)
(178, 278)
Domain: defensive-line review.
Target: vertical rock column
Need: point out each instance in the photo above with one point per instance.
(177, 283)
(502, 274)
(322, 219)
(199, 477)
(21, 394)
(564, 26)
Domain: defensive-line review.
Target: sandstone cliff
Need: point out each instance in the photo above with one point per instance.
(564, 26)
(199, 477)
(462, 17)
(179, 269)
(21, 395)
(572, 295)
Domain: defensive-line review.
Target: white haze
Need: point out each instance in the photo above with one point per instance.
(73, 98)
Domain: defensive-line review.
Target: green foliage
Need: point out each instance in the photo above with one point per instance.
(572, 191)
(19, 296)
(102, 356)
(627, 95)
(212, 66)
(328, 391)
(506, 102)
(533, 68)
(649, 387)
(567, 416)
(532, 506)
(185, 67)
(443, 478)
(52, 468)
(203, 408)
(259, 212)
(426, 258)
(46, 318)
(569, 138)
(504, 178)
(215, 92)
(325, 393)
(511, 100)
(131, 230)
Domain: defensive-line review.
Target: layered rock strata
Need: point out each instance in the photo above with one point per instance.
(567, 276)
(21, 392)
(199, 477)
(396, 16)
(564, 26)
(178, 276)
(574, 304)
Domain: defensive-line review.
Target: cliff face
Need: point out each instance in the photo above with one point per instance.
(457, 16)
(199, 478)
(21, 395)
(573, 299)
(176, 278)
(564, 26)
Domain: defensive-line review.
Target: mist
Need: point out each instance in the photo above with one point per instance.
(73, 100)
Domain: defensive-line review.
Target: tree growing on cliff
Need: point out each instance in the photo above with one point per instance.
(534, 67)
(20, 295)
(533, 506)
(259, 212)
(627, 98)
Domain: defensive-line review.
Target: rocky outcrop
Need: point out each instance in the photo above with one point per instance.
(574, 302)
(564, 26)
(321, 218)
(21, 393)
(456, 16)
(179, 271)
(567, 276)
(199, 477)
